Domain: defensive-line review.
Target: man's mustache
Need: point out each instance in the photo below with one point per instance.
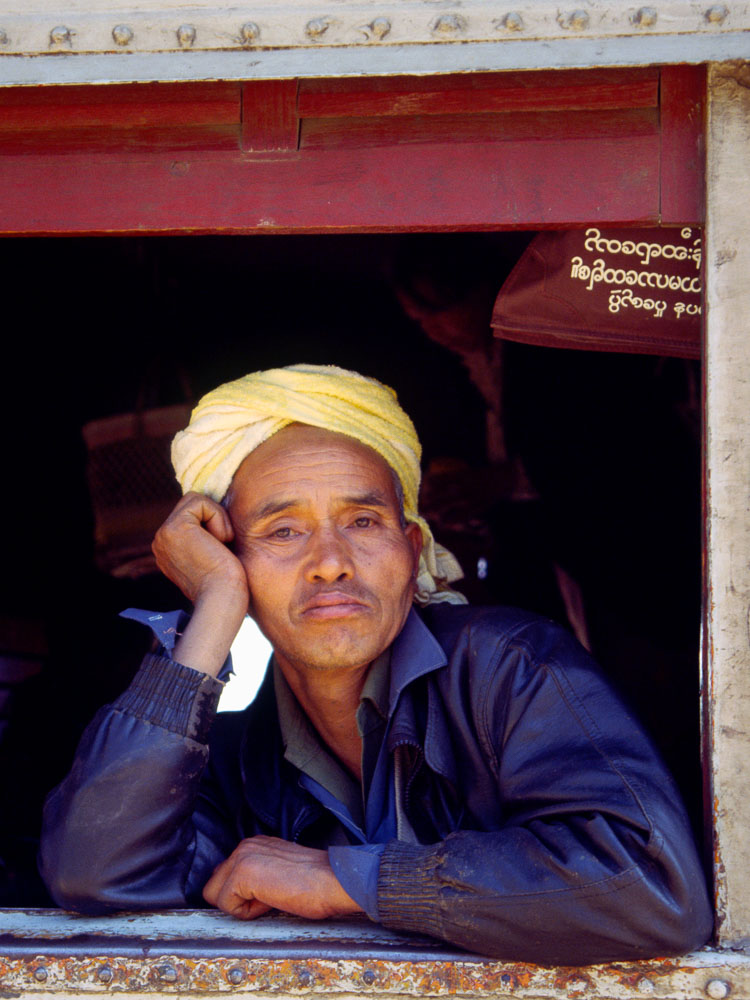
(324, 595)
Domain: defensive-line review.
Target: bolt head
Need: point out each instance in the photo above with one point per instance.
(577, 21)
(368, 977)
(513, 21)
(186, 35)
(717, 15)
(380, 27)
(448, 24)
(317, 27)
(105, 974)
(646, 17)
(122, 34)
(249, 33)
(168, 973)
(40, 974)
(717, 989)
(61, 35)
(235, 976)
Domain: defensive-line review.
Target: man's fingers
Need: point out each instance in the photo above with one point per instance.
(198, 509)
(276, 874)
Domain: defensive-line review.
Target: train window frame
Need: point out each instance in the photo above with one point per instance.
(49, 952)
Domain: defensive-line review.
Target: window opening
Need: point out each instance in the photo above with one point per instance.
(563, 480)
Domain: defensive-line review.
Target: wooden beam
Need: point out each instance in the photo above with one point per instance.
(480, 185)
(269, 116)
(136, 105)
(479, 92)
(682, 104)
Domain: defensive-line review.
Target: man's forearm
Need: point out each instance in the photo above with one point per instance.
(207, 638)
(120, 831)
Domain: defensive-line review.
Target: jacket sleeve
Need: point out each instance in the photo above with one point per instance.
(131, 827)
(593, 859)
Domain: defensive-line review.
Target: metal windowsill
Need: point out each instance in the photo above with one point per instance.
(46, 952)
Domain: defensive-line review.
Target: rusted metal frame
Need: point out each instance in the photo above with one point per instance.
(50, 953)
(164, 972)
(727, 678)
(41, 27)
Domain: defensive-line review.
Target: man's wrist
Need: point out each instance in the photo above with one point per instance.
(208, 636)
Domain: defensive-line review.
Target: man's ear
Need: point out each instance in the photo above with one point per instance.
(414, 534)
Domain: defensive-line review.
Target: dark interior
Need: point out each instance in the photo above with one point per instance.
(591, 473)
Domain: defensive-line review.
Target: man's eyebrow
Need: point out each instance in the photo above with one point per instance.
(372, 499)
(271, 507)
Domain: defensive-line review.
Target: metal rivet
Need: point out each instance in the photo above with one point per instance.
(168, 973)
(448, 24)
(4, 37)
(235, 976)
(40, 974)
(186, 35)
(317, 27)
(304, 977)
(61, 35)
(717, 989)
(122, 34)
(249, 32)
(379, 27)
(512, 21)
(576, 21)
(646, 986)
(646, 17)
(368, 977)
(104, 975)
(717, 14)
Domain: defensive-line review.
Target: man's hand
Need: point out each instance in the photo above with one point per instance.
(265, 873)
(191, 550)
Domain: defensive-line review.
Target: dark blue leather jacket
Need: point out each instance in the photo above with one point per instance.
(548, 829)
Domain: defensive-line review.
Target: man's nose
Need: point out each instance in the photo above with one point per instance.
(329, 557)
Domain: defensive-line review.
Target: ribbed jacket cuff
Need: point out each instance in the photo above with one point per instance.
(408, 888)
(177, 698)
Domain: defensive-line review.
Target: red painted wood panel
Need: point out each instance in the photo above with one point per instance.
(339, 133)
(683, 157)
(119, 106)
(476, 93)
(269, 115)
(193, 138)
(486, 185)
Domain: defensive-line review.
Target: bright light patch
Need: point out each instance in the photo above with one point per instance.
(250, 654)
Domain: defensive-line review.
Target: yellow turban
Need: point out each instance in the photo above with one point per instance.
(230, 422)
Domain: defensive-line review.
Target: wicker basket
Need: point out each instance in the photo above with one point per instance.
(132, 484)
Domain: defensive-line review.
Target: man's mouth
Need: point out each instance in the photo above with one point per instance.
(332, 604)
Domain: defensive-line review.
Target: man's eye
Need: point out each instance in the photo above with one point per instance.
(282, 533)
(363, 522)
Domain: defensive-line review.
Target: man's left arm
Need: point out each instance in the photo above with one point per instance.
(594, 859)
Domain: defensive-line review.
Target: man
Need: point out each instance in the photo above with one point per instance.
(460, 772)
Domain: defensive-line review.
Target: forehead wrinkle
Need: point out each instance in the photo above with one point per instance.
(288, 474)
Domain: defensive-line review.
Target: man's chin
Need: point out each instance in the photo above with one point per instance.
(337, 647)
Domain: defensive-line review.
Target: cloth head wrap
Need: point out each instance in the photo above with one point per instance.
(232, 420)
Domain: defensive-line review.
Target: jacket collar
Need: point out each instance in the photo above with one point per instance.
(419, 721)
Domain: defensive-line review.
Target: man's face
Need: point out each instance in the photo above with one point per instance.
(317, 527)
